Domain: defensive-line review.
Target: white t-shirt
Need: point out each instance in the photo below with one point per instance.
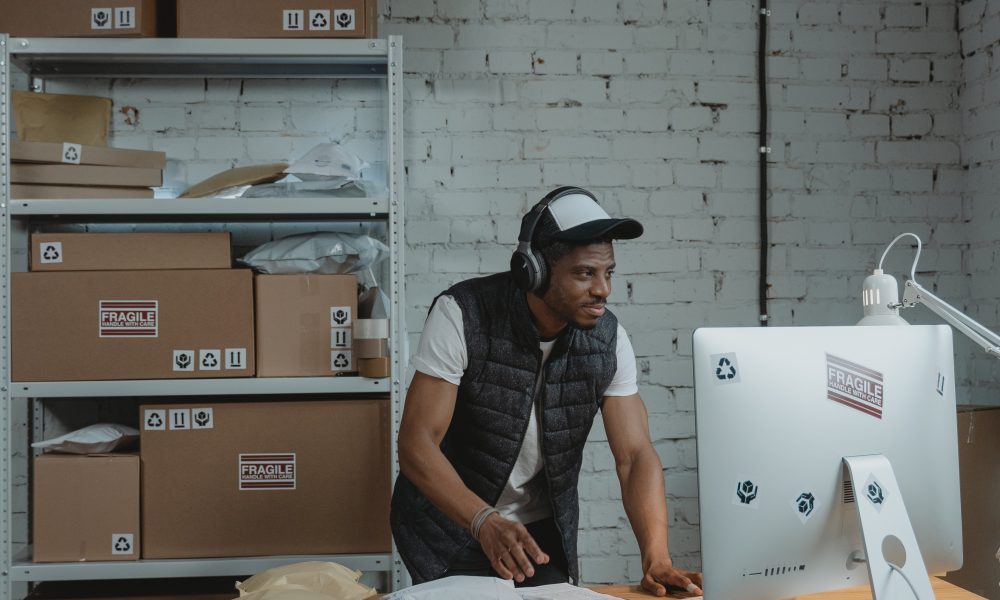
(441, 353)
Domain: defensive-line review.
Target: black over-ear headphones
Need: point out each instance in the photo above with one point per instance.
(527, 266)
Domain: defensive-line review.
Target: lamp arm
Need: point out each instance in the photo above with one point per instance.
(914, 293)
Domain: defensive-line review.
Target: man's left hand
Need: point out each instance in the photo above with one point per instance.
(660, 575)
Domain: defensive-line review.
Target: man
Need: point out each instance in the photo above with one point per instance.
(510, 373)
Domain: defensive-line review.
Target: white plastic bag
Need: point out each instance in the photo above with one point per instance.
(325, 161)
(94, 439)
(323, 252)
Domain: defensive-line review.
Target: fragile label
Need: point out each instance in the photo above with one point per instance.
(129, 318)
(267, 471)
(854, 385)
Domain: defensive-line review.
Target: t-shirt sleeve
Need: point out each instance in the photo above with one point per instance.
(625, 382)
(441, 351)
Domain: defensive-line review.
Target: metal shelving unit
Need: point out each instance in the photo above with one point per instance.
(42, 59)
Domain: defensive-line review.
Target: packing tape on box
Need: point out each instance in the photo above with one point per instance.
(374, 367)
(371, 348)
(371, 329)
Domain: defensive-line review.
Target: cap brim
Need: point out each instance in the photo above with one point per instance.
(618, 229)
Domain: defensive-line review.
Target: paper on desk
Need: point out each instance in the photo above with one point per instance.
(459, 587)
(561, 591)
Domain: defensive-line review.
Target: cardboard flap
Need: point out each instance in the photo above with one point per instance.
(41, 117)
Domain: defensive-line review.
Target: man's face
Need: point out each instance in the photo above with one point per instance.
(579, 286)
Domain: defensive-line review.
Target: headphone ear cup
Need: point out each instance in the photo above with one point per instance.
(523, 269)
(541, 279)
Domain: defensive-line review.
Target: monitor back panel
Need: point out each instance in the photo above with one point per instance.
(776, 411)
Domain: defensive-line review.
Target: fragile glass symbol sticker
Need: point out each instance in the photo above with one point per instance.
(183, 360)
(746, 492)
(804, 505)
(202, 418)
(343, 20)
(340, 316)
(725, 368)
(100, 18)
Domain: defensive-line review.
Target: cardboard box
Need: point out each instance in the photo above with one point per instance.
(85, 175)
(265, 478)
(61, 118)
(94, 325)
(36, 192)
(979, 466)
(86, 507)
(374, 367)
(304, 324)
(129, 251)
(79, 18)
(277, 18)
(77, 154)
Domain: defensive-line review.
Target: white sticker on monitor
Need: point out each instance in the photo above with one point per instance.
(319, 20)
(202, 418)
(805, 506)
(71, 153)
(875, 492)
(343, 20)
(125, 17)
(293, 20)
(340, 360)
(746, 492)
(122, 544)
(340, 316)
(100, 18)
(180, 418)
(725, 368)
(154, 419)
(50, 253)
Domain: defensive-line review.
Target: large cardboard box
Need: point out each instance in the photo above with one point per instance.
(979, 466)
(79, 18)
(277, 18)
(86, 507)
(129, 251)
(263, 478)
(77, 154)
(304, 324)
(94, 325)
(85, 175)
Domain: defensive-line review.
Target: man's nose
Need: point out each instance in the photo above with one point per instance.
(601, 287)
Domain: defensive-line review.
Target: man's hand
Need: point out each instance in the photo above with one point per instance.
(510, 548)
(659, 575)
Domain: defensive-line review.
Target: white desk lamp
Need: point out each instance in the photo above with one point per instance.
(880, 298)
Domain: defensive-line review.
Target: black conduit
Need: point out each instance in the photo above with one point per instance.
(764, 149)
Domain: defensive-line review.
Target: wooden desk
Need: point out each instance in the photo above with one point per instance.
(942, 590)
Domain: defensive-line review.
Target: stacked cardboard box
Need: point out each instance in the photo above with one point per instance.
(265, 478)
(277, 18)
(304, 324)
(76, 18)
(176, 312)
(66, 170)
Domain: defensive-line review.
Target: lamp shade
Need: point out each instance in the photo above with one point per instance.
(880, 299)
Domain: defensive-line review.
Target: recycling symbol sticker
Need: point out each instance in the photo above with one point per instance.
(155, 419)
(122, 543)
(209, 360)
(50, 253)
(71, 153)
(319, 20)
(340, 360)
(725, 368)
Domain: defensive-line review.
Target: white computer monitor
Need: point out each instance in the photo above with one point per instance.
(777, 410)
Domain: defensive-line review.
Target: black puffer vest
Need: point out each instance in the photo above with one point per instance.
(491, 415)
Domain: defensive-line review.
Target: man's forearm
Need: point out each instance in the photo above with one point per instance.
(645, 504)
(436, 478)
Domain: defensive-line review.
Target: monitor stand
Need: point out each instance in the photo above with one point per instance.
(887, 532)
